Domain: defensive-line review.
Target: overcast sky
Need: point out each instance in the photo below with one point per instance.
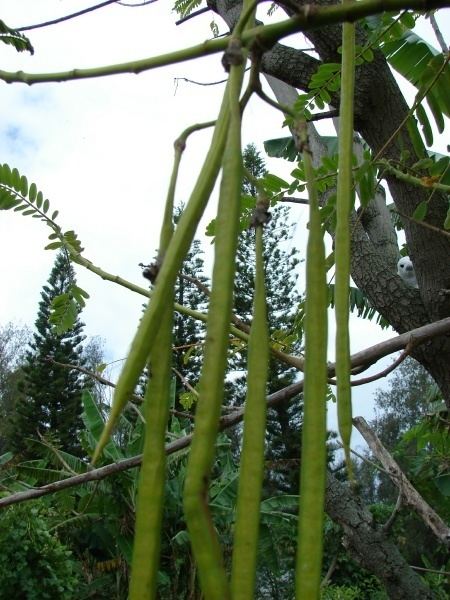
(101, 150)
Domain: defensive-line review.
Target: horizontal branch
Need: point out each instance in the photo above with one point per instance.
(426, 182)
(67, 17)
(406, 352)
(415, 337)
(367, 356)
(308, 17)
(293, 200)
(135, 397)
(409, 493)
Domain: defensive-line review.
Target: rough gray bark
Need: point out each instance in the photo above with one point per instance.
(379, 110)
(369, 545)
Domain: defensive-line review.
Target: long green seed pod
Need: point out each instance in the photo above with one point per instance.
(252, 457)
(313, 469)
(150, 500)
(342, 240)
(173, 259)
(204, 540)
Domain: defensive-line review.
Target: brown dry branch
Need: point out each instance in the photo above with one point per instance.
(409, 494)
(134, 397)
(406, 352)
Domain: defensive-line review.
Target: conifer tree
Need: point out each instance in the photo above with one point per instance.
(51, 394)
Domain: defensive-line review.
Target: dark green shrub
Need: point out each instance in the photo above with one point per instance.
(34, 564)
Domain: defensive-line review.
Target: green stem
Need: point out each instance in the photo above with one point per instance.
(252, 458)
(425, 182)
(344, 205)
(150, 500)
(266, 35)
(202, 533)
(313, 470)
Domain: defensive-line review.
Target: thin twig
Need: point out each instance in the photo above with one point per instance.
(129, 5)
(55, 451)
(93, 375)
(185, 382)
(293, 200)
(387, 526)
(329, 572)
(329, 114)
(447, 573)
(191, 15)
(369, 462)
(67, 17)
(438, 33)
(398, 361)
(423, 224)
(201, 286)
(203, 83)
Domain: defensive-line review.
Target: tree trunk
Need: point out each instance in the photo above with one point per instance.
(370, 547)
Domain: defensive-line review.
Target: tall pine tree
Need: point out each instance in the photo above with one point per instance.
(51, 394)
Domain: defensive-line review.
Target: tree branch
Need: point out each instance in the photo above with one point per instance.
(406, 352)
(367, 356)
(267, 36)
(192, 15)
(92, 375)
(67, 17)
(410, 495)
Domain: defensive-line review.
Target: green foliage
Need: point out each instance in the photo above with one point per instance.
(282, 148)
(185, 7)
(13, 343)
(417, 61)
(17, 194)
(34, 564)
(427, 447)
(360, 305)
(349, 592)
(95, 520)
(14, 38)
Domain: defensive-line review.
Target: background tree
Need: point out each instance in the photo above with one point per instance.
(13, 341)
(51, 394)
